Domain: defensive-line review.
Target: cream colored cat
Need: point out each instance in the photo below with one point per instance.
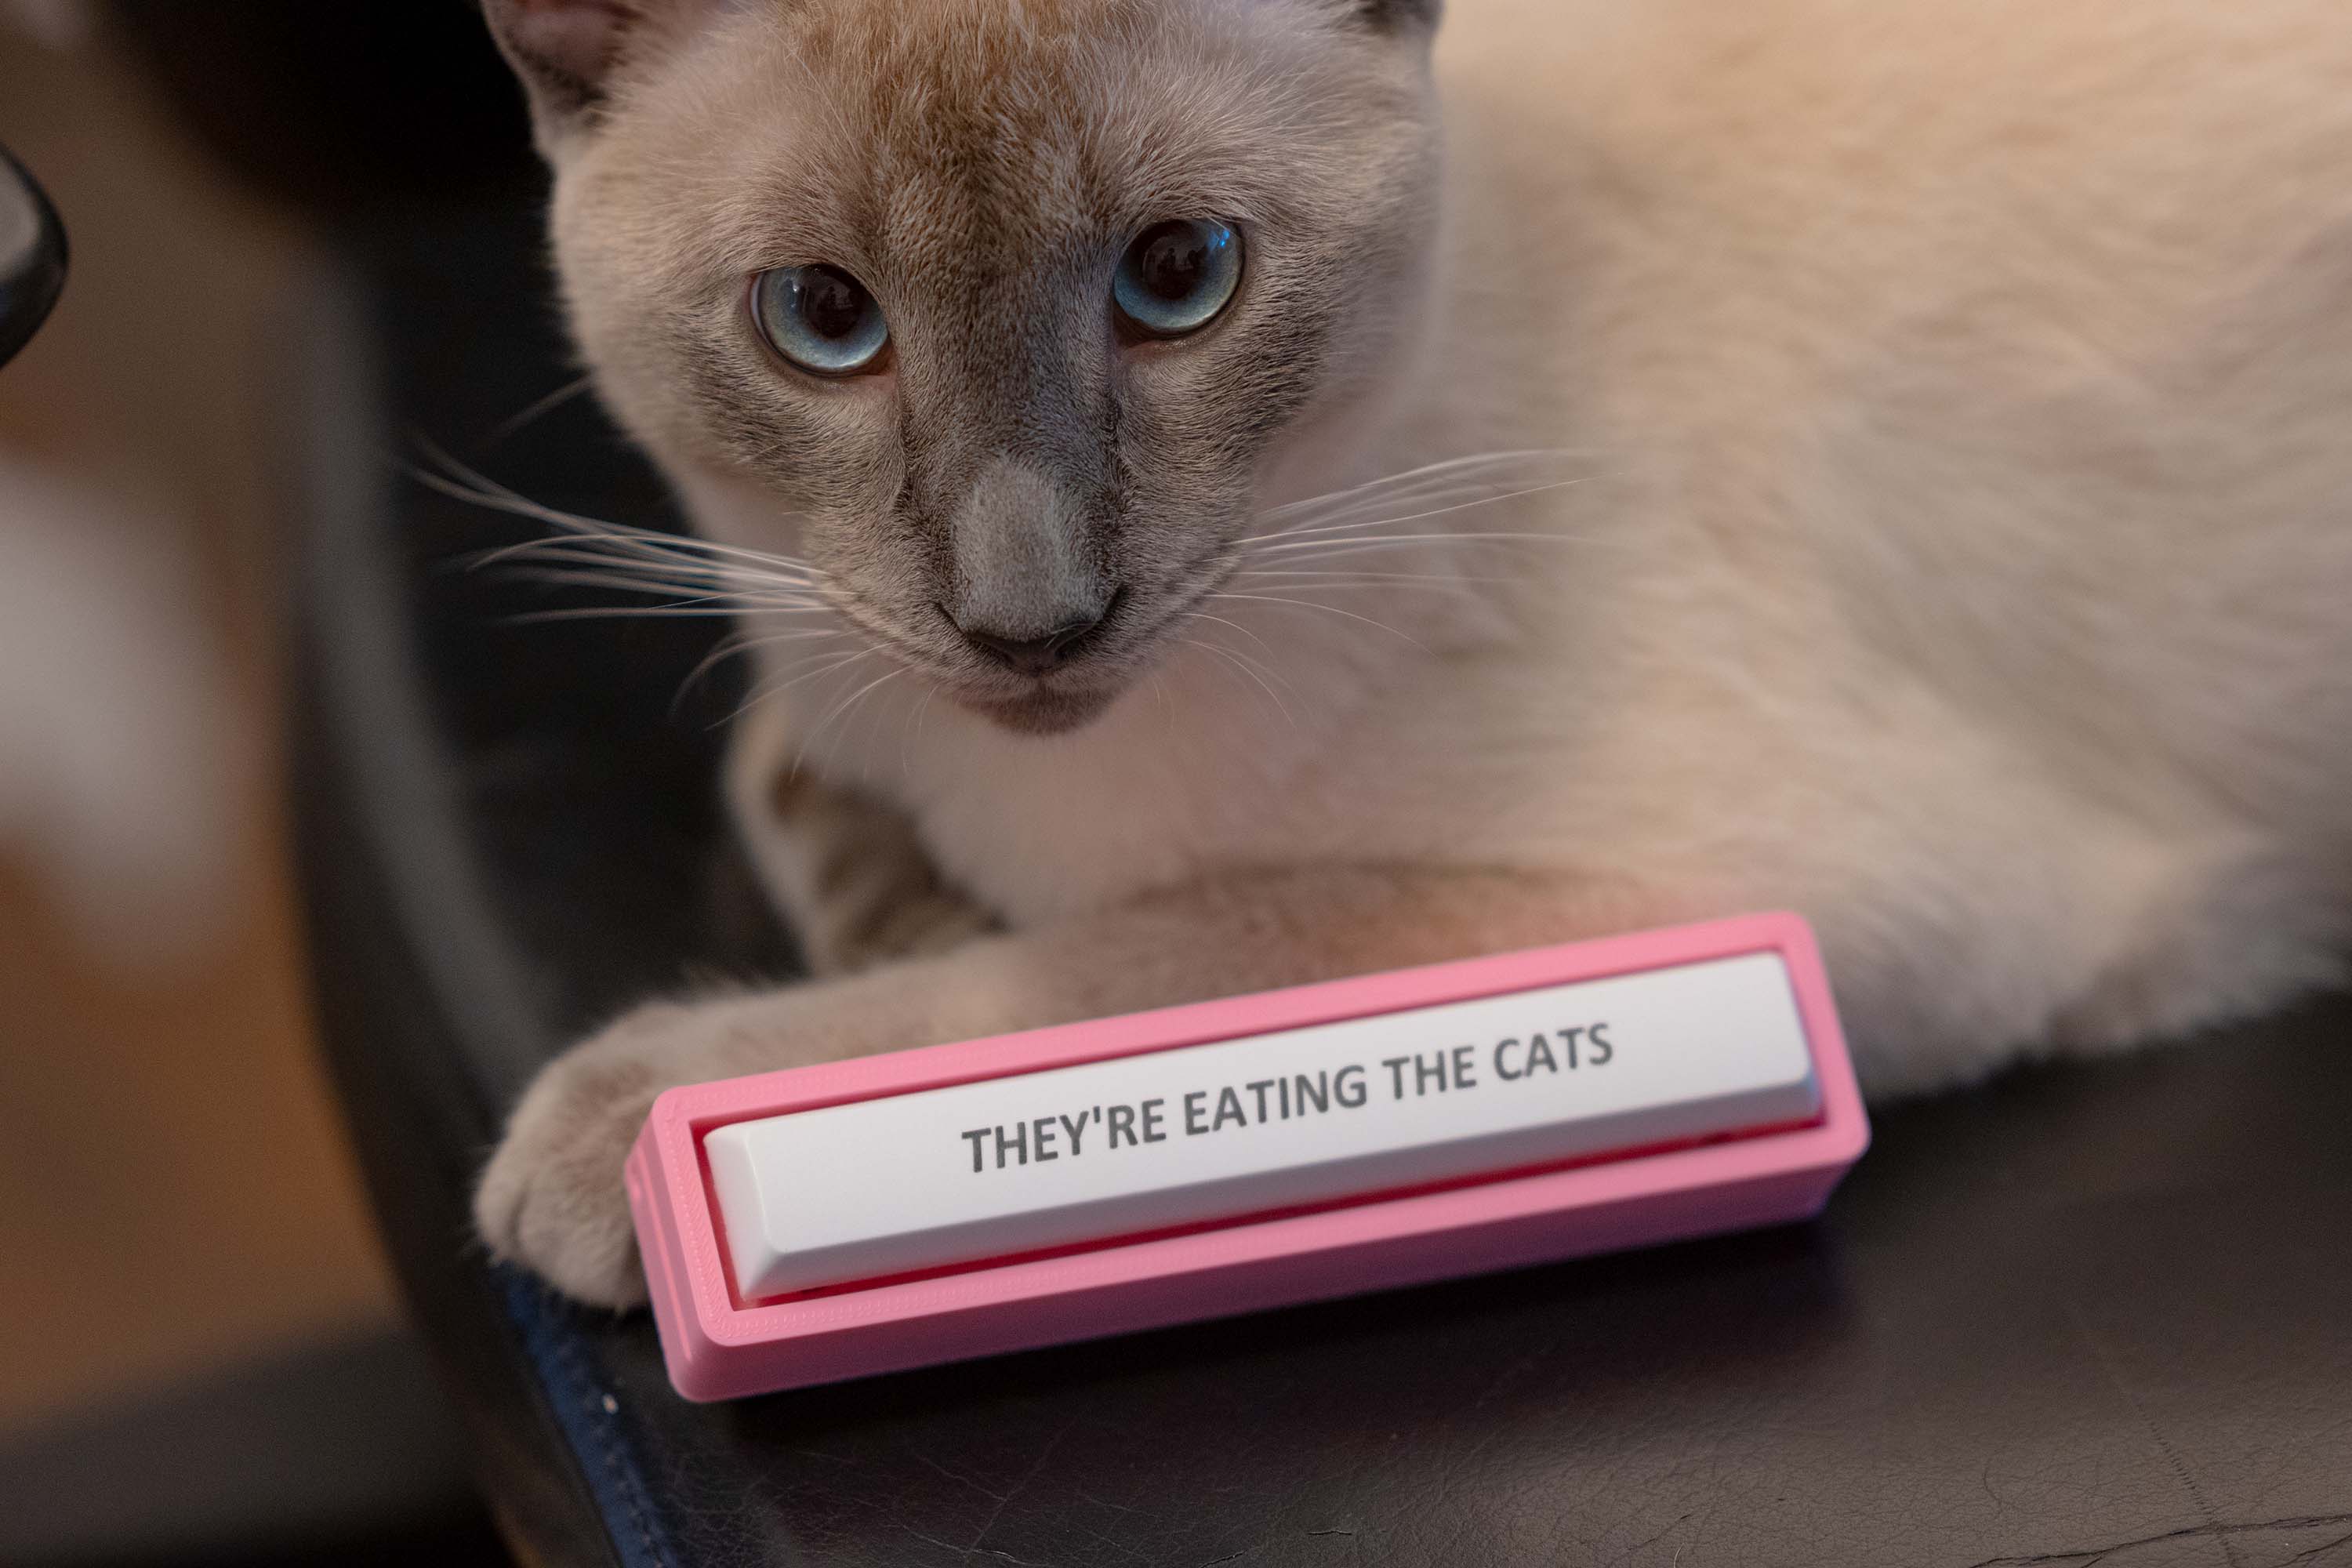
(1230, 504)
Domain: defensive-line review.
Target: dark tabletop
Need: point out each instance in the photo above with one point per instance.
(2088, 1314)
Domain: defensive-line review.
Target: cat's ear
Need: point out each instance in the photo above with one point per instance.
(566, 51)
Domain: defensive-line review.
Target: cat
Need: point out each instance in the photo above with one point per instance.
(1229, 493)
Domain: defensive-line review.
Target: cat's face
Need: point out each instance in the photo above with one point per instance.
(998, 313)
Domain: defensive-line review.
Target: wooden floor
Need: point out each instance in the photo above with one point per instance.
(174, 1190)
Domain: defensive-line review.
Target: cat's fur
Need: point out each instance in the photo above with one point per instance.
(1945, 413)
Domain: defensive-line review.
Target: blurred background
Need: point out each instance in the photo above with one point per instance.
(182, 1227)
(2016, 1321)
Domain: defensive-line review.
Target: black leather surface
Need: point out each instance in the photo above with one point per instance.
(2091, 1314)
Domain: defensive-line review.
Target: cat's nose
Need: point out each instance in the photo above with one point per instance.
(1033, 653)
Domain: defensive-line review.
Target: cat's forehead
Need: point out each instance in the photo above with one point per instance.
(993, 55)
(941, 133)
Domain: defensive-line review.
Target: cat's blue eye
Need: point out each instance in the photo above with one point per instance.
(1178, 275)
(820, 318)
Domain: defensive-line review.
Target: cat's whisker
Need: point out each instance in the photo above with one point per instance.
(1331, 609)
(1268, 670)
(539, 408)
(828, 663)
(726, 648)
(1249, 670)
(572, 549)
(687, 594)
(675, 568)
(1375, 511)
(1204, 616)
(910, 732)
(1465, 590)
(809, 634)
(685, 590)
(1368, 519)
(744, 642)
(620, 613)
(1291, 539)
(644, 545)
(1535, 468)
(848, 720)
(1346, 548)
(1453, 589)
(841, 709)
(692, 606)
(1268, 550)
(684, 605)
(469, 485)
(1389, 511)
(1441, 578)
(695, 589)
(1448, 470)
(1226, 654)
(645, 612)
(673, 550)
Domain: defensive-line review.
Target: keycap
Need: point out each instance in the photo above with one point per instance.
(1220, 1132)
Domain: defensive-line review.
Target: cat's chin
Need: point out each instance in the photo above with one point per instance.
(1042, 711)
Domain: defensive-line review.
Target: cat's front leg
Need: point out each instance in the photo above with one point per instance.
(844, 866)
(552, 1197)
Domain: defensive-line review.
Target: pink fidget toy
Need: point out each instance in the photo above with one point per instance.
(928, 1206)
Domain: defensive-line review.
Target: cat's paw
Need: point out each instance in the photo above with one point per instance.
(856, 883)
(552, 1197)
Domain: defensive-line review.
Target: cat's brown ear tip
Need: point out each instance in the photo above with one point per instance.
(564, 51)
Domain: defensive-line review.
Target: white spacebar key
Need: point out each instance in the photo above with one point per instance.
(1310, 1115)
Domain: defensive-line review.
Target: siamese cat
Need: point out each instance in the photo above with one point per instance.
(1229, 493)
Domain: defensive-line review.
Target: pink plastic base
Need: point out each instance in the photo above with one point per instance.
(719, 1348)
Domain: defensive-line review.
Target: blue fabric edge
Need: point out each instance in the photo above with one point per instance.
(590, 1416)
